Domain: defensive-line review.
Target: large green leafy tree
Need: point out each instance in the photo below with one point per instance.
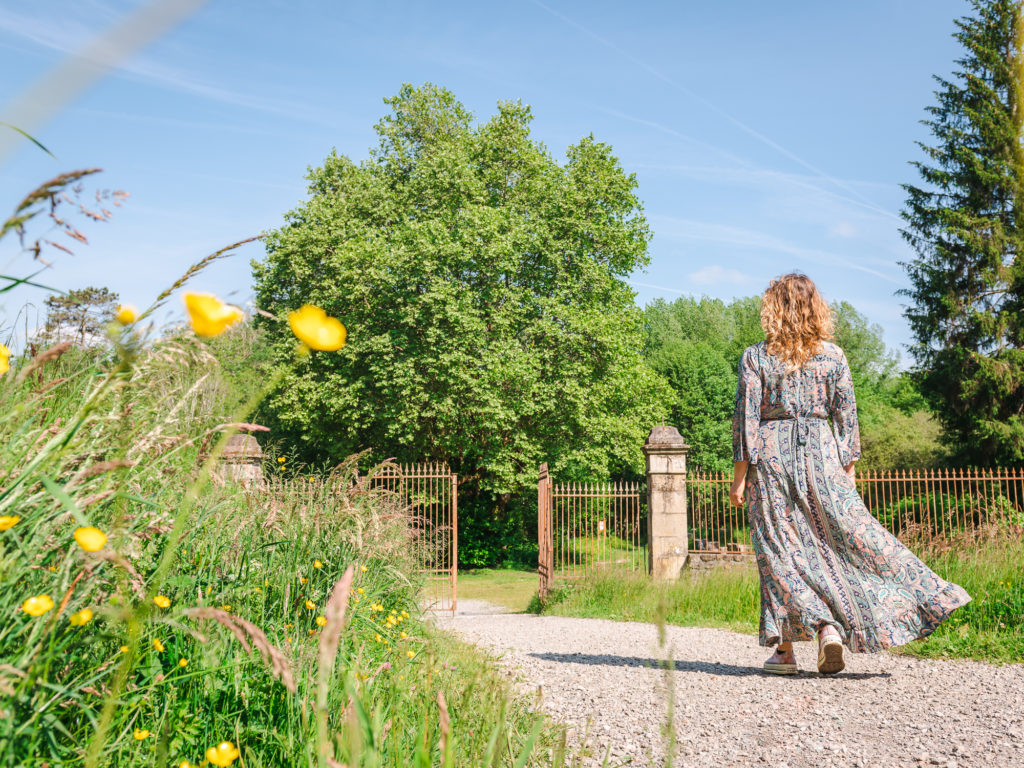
(964, 222)
(481, 283)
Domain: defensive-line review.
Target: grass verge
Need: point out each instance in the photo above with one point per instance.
(989, 628)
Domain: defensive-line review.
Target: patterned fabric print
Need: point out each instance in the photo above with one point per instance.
(821, 555)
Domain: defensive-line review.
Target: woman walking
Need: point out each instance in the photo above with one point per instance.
(827, 567)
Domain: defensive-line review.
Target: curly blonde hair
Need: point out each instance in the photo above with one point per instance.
(795, 319)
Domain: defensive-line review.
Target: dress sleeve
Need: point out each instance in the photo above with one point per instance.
(746, 417)
(843, 409)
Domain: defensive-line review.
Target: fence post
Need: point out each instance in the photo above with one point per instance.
(545, 544)
(667, 541)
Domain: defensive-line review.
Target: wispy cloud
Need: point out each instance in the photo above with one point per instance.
(691, 229)
(68, 36)
(715, 274)
(710, 105)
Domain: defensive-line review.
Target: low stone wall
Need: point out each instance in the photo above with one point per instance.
(697, 562)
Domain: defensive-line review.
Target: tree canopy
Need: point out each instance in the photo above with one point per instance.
(80, 313)
(481, 283)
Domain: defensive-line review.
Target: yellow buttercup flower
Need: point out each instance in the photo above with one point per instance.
(316, 330)
(317, 564)
(410, 654)
(404, 635)
(362, 568)
(310, 605)
(38, 605)
(182, 663)
(266, 582)
(5, 359)
(303, 580)
(226, 607)
(186, 764)
(81, 618)
(378, 638)
(8, 521)
(162, 601)
(281, 460)
(158, 645)
(140, 734)
(124, 649)
(209, 315)
(321, 621)
(312, 631)
(90, 539)
(223, 755)
(126, 314)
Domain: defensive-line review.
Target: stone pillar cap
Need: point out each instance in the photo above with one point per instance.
(242, 448)
(665, 438)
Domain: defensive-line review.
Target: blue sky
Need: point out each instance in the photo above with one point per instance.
(765, 137)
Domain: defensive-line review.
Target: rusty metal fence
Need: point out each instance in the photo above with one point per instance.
(583, 527)
(426, 493)
(915, 505)
(429, 493)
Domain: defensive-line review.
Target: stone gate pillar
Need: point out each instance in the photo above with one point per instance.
(666, 502)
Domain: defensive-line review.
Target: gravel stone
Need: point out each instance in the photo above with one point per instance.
(607, 682)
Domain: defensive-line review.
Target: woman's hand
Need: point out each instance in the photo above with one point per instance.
(739, 483)
(849, 470)
(736, 491)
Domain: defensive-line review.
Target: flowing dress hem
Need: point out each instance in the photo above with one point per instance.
(914, 624)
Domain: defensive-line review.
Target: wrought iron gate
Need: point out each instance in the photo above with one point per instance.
(583, 527)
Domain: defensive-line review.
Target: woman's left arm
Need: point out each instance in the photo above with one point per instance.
(843, 409)
(739, 483)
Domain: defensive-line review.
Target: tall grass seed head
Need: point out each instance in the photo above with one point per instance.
(38, 605)
(90, 539)
(316, 330)
(8, 521)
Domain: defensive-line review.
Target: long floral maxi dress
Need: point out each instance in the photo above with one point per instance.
(822, 556)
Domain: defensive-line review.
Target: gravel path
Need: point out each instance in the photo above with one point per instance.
(882, 710)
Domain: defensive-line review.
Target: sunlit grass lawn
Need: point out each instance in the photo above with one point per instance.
(989, 628)
(512, 590)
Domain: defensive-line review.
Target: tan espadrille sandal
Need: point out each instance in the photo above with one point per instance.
(830, 651)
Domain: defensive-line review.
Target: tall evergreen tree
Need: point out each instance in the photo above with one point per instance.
(965, 223)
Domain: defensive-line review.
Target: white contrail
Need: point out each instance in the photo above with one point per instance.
(715, 108)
